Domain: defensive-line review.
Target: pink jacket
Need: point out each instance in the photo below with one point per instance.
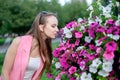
(21, 60)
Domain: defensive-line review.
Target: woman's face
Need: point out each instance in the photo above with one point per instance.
(50, 29)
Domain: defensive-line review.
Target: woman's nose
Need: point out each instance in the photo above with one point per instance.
(57, 29)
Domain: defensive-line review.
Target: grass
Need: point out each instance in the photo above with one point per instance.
(54, 45)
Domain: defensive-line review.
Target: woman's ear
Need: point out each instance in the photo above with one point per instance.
(41, 27)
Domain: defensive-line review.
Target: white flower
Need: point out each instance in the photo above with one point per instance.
(111, 60)
(106, 11)
(98, 20)
(98, 43)
(117, 4)
(92, 69)
(110, 35)
(86, 76)
(119, 17)
(53, 61)
(107, 66)
(78, 78)
(79, 20)
(88, 39)
(79, 48)
(96, 62)
(117, 23)
(103, 73)
(90, 8)
(68, 35)
(57, 65)
(116, 37)
(90, 21)
(82, 27)
(67, 32)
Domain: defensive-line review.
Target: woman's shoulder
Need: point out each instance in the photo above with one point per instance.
(16, 40)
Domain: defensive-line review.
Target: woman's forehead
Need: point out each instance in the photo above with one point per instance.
(52, 20)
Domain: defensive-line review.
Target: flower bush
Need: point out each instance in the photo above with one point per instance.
(90, 48)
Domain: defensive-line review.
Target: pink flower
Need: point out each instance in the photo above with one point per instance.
(72, 69)
(108, 54)
(78, 34)
(99, 50)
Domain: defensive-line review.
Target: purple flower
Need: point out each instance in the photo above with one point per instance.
(72, 69)
(111, 46)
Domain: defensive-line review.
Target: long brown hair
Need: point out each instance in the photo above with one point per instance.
(44, 45)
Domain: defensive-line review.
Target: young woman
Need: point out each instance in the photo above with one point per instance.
(29, 55)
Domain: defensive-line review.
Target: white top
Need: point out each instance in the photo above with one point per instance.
(33, 65)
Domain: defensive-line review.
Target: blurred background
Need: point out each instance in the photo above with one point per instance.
(16, 16)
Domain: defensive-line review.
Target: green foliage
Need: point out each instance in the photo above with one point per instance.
(16, 16)
(2, 56)
(2, 40)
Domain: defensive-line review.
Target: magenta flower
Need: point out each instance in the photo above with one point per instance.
(77, 42)
(92, 38)
(111, 46)
(100, 29)
(108, 55)
(91, 33)
(48, 75)
(92, 47)
(72, 69)
(93, 25)
(78, 34)
(71, 24)
(109, 30)
(72, 78)
(102, 39)
(56, 52)
(110, 21)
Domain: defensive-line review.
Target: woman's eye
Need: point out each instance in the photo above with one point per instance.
(53, 26)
